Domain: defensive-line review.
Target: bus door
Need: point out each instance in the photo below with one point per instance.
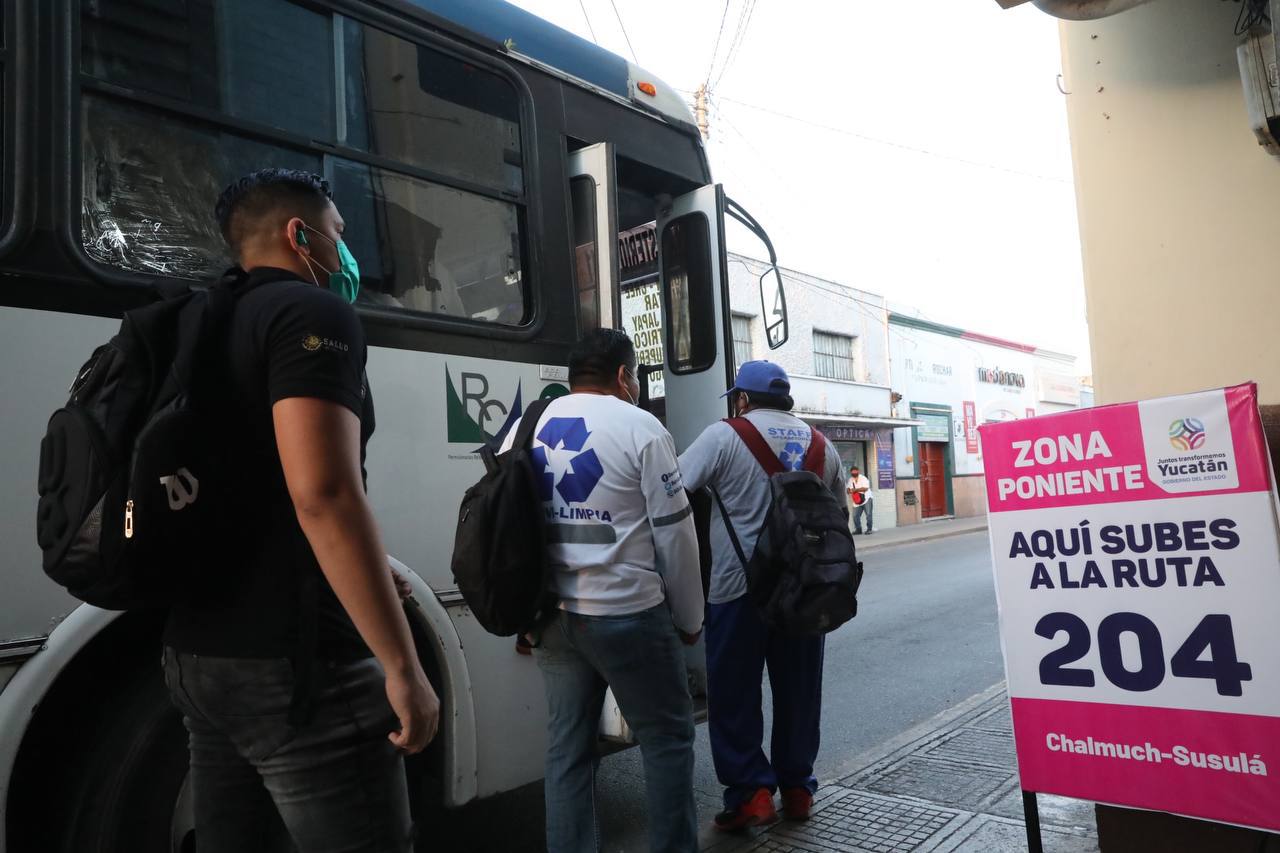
(593, 195)
(694, 283)
(693, 275)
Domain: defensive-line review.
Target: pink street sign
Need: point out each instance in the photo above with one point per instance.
(1137, 568)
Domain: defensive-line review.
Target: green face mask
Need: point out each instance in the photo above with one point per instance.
(345, 280)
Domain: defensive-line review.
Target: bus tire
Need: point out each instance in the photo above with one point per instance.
(132, 774)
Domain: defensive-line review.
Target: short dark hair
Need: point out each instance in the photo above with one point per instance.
(596, 358)
(249, 203)
(760, 400)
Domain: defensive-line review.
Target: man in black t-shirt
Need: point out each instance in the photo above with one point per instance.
(296, 672)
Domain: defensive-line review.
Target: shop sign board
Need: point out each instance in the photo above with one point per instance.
(970, 426)
(935, 428)
(1137, 570)
(996, 376)
(1058, 388)
(837, 432)
(884, 459)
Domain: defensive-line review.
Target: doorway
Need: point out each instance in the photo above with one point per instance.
(933, 479)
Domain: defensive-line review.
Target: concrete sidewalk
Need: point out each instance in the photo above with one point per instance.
(921, 532)
(948, 786)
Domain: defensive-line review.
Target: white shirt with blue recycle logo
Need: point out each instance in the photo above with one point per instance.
(619, 522)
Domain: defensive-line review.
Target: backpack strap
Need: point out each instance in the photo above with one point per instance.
(815, 459)
(755, 442)
(529, 422)
(728, 526)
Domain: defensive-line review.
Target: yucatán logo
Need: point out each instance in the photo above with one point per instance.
(1186, 434)
(563, 464)
(181, 488)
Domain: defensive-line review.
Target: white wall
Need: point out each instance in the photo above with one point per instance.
(1179, 208)
(940, 369)
(814, 303)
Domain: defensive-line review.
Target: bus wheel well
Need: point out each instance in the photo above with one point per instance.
(69, 721)
(49, 785)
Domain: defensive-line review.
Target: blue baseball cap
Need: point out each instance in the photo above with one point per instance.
(761, 377)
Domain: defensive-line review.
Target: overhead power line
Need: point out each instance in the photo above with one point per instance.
(618, 15)
(739, 34)
(715, 51)
(582, 4)
(892, 144)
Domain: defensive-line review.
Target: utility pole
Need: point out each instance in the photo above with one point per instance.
(700, 111)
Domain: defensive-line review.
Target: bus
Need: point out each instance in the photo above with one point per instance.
(490, 167)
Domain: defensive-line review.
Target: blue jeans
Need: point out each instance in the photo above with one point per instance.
(739, 645)
(336, 784)
(641, 658)
(859, 511)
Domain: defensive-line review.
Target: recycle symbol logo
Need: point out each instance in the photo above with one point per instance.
(584, 471)
(792, 456)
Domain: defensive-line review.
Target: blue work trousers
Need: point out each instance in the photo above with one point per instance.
(739, 645)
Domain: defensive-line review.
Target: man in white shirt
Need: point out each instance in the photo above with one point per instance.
(860, 485)
(625, 554)
(739, 643)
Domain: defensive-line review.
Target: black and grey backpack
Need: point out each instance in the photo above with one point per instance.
(133, 495)
(804, 573)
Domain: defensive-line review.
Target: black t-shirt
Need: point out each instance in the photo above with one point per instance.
(287, 338)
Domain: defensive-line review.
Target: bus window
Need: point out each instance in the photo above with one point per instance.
(690, 303)
(424, 108)
(267, 61)
(148, 187)
(582, 196)
(431, 248)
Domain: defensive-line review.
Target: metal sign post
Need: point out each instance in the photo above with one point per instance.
(1031, 814)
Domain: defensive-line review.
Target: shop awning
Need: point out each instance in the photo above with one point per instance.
(858, 420)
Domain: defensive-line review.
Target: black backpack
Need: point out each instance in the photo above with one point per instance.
(131, 470)
(500, 547)
(804, 573)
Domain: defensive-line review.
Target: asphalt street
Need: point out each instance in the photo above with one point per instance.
(925, 638)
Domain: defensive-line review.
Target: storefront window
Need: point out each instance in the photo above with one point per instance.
(833, 356)
(741, 341)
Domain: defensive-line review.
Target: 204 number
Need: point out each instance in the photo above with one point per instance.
(1212, 635)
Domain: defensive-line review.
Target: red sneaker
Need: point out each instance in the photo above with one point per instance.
(757, 811)
(796, 803)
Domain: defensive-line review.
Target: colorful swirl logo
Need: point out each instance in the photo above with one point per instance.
(1186, 434)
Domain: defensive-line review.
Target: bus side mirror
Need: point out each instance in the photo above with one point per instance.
(773, 299)
(773, 308)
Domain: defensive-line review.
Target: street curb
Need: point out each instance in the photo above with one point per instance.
(943, 534)
(930, 726)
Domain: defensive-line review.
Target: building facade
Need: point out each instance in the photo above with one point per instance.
(837, 356)
(951, 380)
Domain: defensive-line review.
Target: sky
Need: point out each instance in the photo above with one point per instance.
(916, 150)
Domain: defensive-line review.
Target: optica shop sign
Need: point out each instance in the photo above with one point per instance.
(1138, 576)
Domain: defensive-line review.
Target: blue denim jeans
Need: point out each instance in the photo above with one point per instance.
(862, 509)
(640, 656)
(336, 783)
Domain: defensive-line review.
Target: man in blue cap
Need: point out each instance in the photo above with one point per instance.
(739, 644)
